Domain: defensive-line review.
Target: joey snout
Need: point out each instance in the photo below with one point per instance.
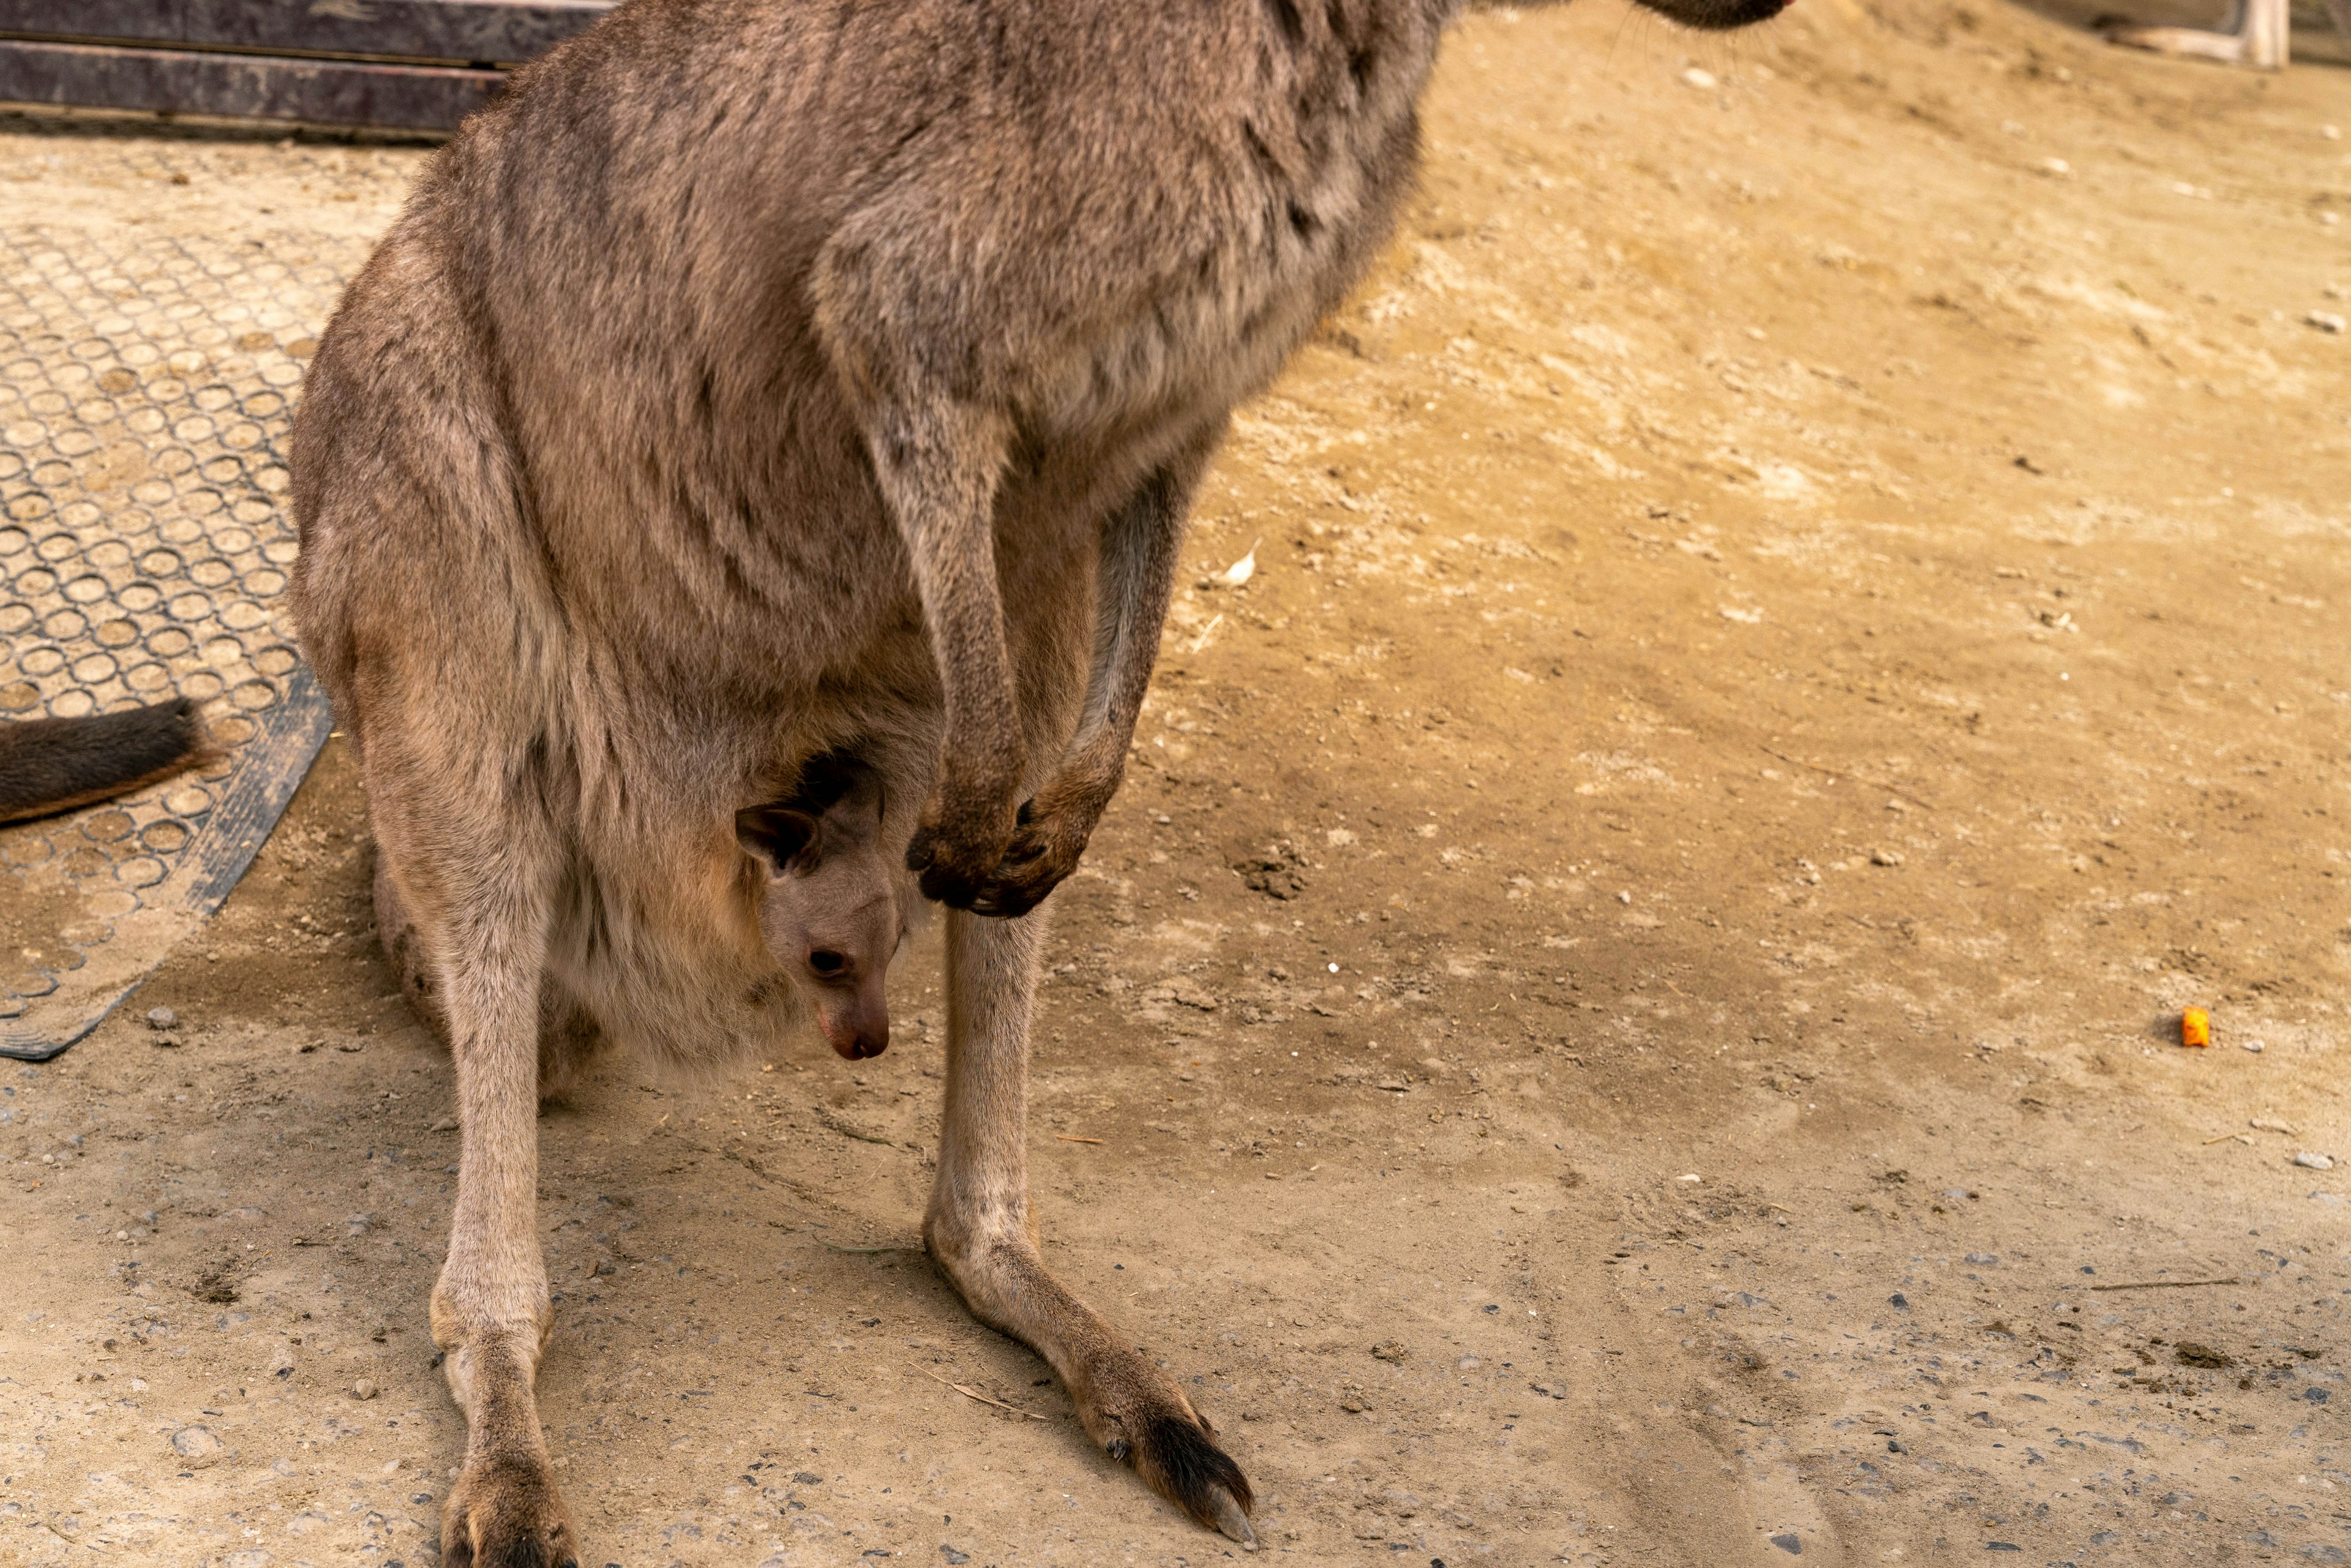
(855, 1020)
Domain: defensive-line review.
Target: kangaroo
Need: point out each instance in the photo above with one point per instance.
(54, 763)
(755, 378)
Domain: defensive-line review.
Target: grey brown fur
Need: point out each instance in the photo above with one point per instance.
(760, 378)
(834, 907)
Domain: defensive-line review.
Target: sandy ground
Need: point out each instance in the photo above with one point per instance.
(1627, 1011)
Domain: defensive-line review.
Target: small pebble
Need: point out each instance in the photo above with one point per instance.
(1624, 897)
(2254, 1046)
(2326, 320)
(1886, 857)
(163, 1017)
(197, 1447)
(166, 1042)
(1703, 80)
(363, 1389)
(1390, 1350)
(2057, 166)
(2309, 1161)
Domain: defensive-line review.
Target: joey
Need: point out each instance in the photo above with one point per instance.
(831, 911)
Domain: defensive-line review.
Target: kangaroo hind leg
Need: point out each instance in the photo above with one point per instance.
(982, 1236)
(464, 909)
(569, 1035)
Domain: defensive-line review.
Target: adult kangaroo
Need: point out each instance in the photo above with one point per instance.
(759, 380)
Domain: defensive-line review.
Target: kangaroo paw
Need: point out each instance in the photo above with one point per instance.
(952, 857)
(1049, 837)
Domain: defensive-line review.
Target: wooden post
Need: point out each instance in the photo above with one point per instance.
(407, 65)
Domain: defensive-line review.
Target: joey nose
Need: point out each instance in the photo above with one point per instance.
(855, 1029)
(858, 1047)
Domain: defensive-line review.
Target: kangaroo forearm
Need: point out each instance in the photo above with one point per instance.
(1140, 548)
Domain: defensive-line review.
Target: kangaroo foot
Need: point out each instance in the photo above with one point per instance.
(503, 1512)
(1126, 1405)
(1142, 1420)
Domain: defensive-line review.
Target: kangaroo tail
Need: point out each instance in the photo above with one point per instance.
(51, 764)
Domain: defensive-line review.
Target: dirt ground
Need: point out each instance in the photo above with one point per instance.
(1627, 1011)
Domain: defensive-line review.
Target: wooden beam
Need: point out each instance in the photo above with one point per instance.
(243, 87)
(462, 31)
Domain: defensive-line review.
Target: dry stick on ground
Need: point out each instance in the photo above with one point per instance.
(973, 1394)
(846, 1131)
(2167, 1284)
(1850, 778)
(1074, 1138)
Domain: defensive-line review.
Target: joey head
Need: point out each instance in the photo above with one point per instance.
(831, 911)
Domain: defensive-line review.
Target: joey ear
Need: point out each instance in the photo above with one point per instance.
(786, 838)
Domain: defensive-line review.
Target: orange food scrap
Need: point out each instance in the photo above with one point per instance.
(2195, 1027)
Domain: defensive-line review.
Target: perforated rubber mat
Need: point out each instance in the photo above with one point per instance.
(145, 396)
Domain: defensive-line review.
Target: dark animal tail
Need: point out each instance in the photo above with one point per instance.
(51, 764)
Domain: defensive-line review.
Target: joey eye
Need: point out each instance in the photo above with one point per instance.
(825, 961)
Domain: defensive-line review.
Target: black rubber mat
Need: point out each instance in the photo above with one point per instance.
(145, 395)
